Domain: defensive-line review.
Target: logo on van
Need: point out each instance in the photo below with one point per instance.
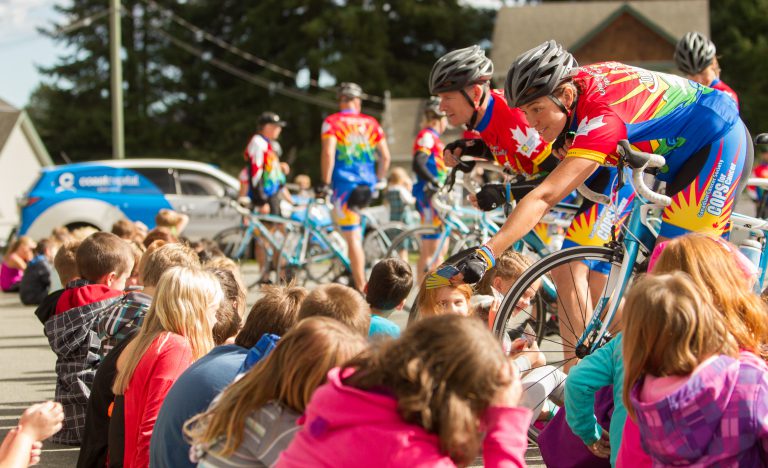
(66, 183)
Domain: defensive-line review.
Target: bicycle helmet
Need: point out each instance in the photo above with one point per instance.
(349, 90)
(693, 53)
(761, 140)
(537, 73)
(270, 118)
(459, 69)
(432, 108)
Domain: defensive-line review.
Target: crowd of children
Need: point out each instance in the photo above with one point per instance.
(158, 363)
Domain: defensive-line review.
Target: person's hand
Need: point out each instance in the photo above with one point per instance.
(323, 191)
(602, 447)
(472, 199)
(430, 189)
(35, 453)
(509, 395)
(530, 350)
(245, 202)
(562, 150)
(42, 420)
(473, 266)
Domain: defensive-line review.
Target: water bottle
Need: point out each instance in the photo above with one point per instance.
(752, 249)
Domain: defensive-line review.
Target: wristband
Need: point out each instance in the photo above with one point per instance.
(487, 255)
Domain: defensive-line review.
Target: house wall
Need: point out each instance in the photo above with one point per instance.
(19, 167)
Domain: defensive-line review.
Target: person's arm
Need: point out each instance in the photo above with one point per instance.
(590, 375)
(384, 160)
(327, 153)
(420, 160)
(568, 175)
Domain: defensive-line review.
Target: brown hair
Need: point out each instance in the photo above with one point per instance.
(159, 233)
(390, 283)
(19, 242)
(167, 218)
(714, 269)
(230, 313)
(275, 312)
(64, 262)
(159, 257)
(670, 327)
(427, 299)
(510, 265)
(444, 372)
(103, 253)
(184, 296)
(289, 376)
(125, 229)
(338, 302)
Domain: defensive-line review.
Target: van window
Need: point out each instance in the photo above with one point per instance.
(161, 177)
(200, 184)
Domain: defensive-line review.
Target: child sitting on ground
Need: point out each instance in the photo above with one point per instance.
(694, 400)
(443, 300)
(255, 418)
(104, 262)
(387, 289)
(174, 221)
(14, 263)
(407, 402)
(36, 282)
(338, 302)
(66, 269)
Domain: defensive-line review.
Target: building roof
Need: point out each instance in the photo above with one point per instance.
(575, 23)
(10, 118)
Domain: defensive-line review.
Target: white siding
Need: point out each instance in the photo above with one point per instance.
(19, 167)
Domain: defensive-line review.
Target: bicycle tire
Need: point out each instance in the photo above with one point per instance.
(377, 242)
(320, 265)
(230, 242)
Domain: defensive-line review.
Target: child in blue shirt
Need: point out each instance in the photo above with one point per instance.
(388, 287)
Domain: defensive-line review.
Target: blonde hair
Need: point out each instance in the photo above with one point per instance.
(224, 263)
(23, 240)
(509, 266)
(670, 327)
(444, 372)
(167, 218)
(303, 181)
(399, 178)
(714, 269)
(184, 297)
(64, 262)
(289, 376)
(160, 256)
(427, 298)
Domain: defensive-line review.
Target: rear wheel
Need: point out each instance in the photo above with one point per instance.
(377, 242)
(320, 264)
(234, 244)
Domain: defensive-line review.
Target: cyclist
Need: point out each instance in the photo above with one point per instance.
(430, 172)
(350, 140)
(461, 78)
(695, 56)
(263, 178)
(699, 131)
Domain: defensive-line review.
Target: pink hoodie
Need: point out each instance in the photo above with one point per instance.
(344, 427)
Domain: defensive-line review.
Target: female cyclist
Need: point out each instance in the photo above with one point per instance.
(695, 56)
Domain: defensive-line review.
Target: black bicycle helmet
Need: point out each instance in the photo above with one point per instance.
(459, 69)
(432, 107)
(349, 90)
(537, 73)
(693, 53)
(762, 140)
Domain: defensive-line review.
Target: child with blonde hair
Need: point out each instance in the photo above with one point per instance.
(255, 418)
(174, 221)
(430, 398)
(398, 196)
(15, 262)
(694, 400)
(175, 333)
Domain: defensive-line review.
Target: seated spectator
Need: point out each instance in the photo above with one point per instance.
(229, 317)
(695, 401)
(22, 445)
(207, 250)
(162, 234)
(338, 302)
(430, 398)
(255, 418)
(273, 314)
(104, 262)
(387, 289)
(15, 262)
(174, 221)
(444, 300)
(133, 282)
(36, 282)
(175, 333)
(65, 265)
(124, 229)
(129, 312)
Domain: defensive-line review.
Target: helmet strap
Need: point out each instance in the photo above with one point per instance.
(471, 124)
(569, 115)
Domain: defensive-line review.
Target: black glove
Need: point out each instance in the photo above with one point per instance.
(323, 191)
(474, 265)
(491, 196)
(470, 147)
(430, 189)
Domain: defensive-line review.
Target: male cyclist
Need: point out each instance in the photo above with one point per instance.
(695, 56)
(698, 130)
(350, 140)
(430, 170)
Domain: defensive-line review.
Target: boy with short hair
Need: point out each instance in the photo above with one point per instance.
(388, 287)
(36, 282)
(66, 268)
(338, 302)
(104, 262)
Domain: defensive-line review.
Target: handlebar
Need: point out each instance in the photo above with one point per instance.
(757, 182)
(639, 161)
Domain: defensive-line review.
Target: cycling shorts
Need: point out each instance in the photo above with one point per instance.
(346, 203)
(428, 215)
(594, 222)
(704, 189)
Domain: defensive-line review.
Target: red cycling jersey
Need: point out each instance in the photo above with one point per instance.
(721, 86)
(511, 140)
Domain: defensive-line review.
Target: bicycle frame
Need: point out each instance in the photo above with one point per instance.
(311, 228)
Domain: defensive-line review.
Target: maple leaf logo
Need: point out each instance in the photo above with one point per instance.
(527, 140)
(586, 125)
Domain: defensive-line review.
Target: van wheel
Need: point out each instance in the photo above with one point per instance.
(78, 225)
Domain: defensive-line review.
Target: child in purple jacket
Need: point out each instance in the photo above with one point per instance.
(694, 401)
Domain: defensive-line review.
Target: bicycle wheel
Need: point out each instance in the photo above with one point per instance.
(377, 241)
(319, 264)
(233, 243)
(408, 244)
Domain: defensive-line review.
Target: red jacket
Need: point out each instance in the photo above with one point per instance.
(166, 358)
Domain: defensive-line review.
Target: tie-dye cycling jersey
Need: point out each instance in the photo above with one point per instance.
(357, 136)
(265, 165)
(697, 129)
(511, 140)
